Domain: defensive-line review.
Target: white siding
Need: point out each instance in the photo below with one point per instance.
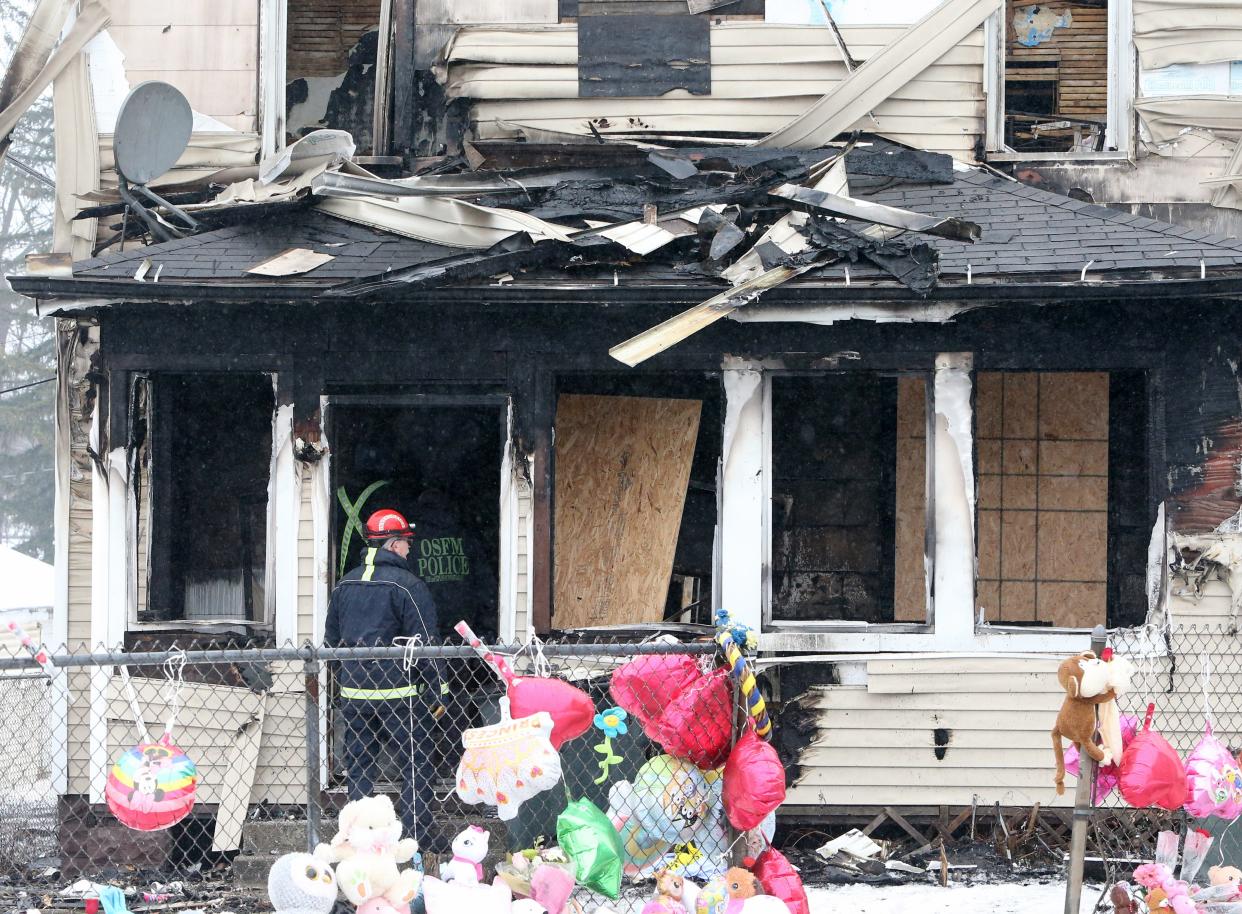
(306, 565)
(763, 75)
(206, 48)
(522, 596)
(878, 741)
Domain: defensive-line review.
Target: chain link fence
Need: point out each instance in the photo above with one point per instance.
(174, 764)
(1187, 673)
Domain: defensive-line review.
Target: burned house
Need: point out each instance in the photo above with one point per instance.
(908, 337)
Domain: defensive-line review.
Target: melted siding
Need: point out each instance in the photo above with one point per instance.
(763, 75)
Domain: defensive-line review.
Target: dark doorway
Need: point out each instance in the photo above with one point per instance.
(438, 464)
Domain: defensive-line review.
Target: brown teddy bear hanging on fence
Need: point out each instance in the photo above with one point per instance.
(1086, 681)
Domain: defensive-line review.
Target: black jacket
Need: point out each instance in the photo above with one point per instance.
(374, 604)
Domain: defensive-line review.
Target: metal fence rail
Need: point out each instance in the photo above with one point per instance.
(1187, 673)
(279, 737)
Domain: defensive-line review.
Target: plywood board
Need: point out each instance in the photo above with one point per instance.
(622, 467)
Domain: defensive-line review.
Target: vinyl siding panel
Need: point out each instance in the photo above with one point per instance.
(1170, 32)
(207, 724)
(998, 712)
(306, 566)
(521, 595)
(763, 75)
(207, 50)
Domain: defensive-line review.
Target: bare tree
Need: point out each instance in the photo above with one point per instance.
(27, 353)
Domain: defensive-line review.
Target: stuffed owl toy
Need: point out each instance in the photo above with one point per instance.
(301, 884)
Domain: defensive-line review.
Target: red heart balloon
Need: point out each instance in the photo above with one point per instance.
(571, 708)
(754, 782)
(645, 686)
(781, 880)
(698, 724)
(1152, 773)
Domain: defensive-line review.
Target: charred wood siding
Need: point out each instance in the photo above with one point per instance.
(1203, 416)
(322, 32)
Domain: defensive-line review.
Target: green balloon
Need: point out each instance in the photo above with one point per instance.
(587, 836)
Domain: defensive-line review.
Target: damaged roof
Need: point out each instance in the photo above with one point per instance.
(721, 225)
(227, 253)
(1023, 231)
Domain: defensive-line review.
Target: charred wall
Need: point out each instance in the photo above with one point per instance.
(490, 340)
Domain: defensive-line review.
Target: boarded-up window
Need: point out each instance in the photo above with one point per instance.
(635, 500)
(1062, 497)
(647, 48)
(1056, 76)
(848, 498)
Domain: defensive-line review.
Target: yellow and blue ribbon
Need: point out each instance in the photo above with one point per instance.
(744, 676)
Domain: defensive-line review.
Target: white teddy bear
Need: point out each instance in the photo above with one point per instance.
(367, 848)
(469, 851)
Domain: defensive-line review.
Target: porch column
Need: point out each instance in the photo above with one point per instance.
(743, 487)
(953, 597)
(284, 523)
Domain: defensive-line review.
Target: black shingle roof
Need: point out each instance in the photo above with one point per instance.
(1028, 230)
(226, 253)
(1025, 231)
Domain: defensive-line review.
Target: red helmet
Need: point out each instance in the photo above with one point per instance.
(387, 523)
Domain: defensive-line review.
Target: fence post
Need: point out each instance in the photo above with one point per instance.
(311, 670)
(1082, 806)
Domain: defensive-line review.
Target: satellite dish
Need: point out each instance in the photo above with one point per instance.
(152, 130)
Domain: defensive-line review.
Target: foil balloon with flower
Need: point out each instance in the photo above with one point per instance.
(612, 722)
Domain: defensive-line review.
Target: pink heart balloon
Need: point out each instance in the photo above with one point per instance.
(1109, 776)
(571, 709)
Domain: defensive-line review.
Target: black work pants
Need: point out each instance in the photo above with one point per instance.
(404, 724)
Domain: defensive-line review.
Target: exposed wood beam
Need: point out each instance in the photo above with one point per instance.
(401, 138)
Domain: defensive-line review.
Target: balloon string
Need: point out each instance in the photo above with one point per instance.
(139, 724)
(497, 662)
(174, 669)
(1206, 678)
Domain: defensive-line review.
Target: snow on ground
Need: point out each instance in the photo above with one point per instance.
(953, 899)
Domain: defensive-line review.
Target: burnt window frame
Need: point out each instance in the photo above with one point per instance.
(1121, 119)
(143, 430)
(923, 368)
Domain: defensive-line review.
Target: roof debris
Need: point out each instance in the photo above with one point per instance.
(722, 225)
(290, 262)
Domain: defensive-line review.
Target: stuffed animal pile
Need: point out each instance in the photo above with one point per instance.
(1161, 887)
(367, 851)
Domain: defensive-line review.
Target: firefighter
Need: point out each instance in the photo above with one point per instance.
(381, 702)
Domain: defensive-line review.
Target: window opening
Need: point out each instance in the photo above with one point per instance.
(1056, 76)
(849, 498)
(330, 67)
(208, 475)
